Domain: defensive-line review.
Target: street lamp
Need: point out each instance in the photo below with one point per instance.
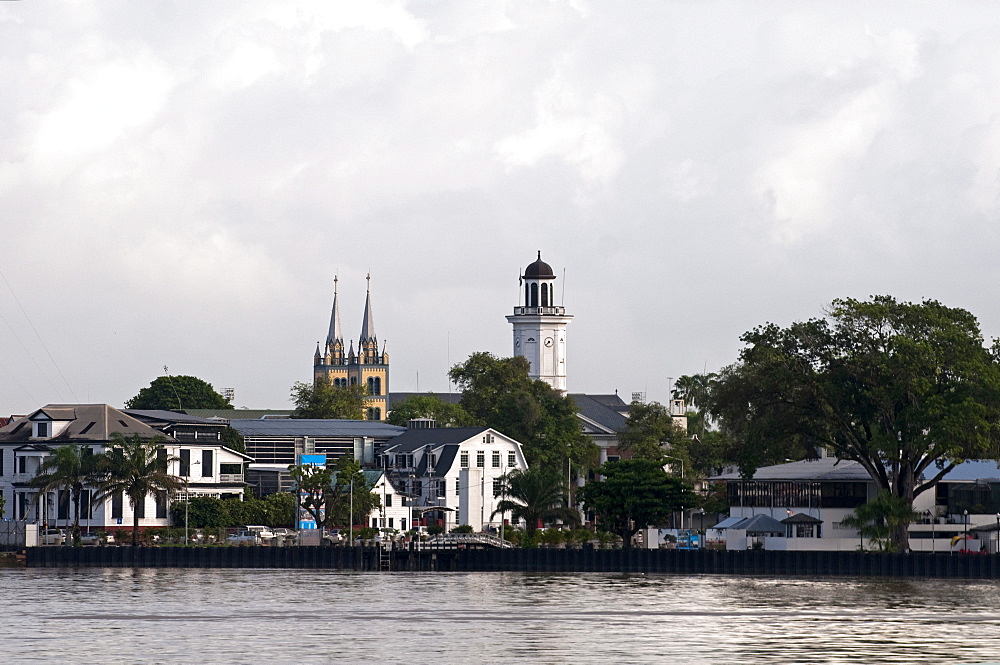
(682, 478)
(965, 541)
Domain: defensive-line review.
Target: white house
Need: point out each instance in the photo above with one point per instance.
(208, 467)
(810, 498)
(394, 514)
(451, 475)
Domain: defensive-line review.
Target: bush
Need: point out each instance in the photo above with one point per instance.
(552, 537)
(464, 528)
(435, 530)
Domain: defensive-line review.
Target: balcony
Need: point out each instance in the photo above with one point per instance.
(230, 477)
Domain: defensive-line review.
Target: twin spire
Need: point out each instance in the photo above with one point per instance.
(335, 334)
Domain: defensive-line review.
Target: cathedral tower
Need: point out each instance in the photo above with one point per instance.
(540, 326)
(368, 367)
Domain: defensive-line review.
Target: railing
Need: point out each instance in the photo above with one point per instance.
(230, 477)
(552, 311)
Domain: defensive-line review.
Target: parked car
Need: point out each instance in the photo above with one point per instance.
(91, 539)
(243, 538)
(263, 532)
(333, 537)
(52, 537)
(285, 536)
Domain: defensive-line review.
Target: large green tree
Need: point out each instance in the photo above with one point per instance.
(879, 518)
(70, 469)
(650, 432)
(498, 393)
(137, 468)
(445, 413)
(634, 494)
(907, 390)
(330, 493)
(322, 399)
(535, 495)
(174, 393)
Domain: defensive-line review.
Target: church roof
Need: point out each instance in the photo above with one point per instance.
(368, 326)
(335, 334)
(588, 406)
(539, 269)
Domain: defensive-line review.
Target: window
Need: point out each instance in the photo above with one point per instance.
(43, 429)
(116, 506)
(534, 295)
(511, 458)
(464, 459)
(206, 464)
(497, 486)
(488, 438)
(418, 487)
(161, 459)
(185, 463)
(161, 505)
(22, 464)
(458, 490)
(545, 295)
(480, 459)
(402, 524)
(85, 504)
(388, 501)
(496, 459)
(390, 522)
(442, 487)
(62, 512)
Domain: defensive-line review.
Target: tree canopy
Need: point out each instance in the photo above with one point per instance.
(323, 400)
(445, 413)
(173, 393)
(906, 390)
(634, 494)
(498, 393)
(71, 468)
(326, 492)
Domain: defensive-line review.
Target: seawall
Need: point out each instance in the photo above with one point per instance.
(694, 562)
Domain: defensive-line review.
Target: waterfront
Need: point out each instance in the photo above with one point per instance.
(289, 616)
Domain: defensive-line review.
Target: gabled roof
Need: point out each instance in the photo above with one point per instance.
(316, 427)
(172, 417)
(824, 469)
(88, 423)
(414, 439)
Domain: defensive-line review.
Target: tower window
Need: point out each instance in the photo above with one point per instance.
(545, 295)
(534, 295)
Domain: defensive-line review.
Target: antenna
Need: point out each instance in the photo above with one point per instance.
(171, 382)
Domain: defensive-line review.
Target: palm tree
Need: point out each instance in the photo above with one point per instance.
(136, 468)
(70, 468)
(533, 495)
(878, 519)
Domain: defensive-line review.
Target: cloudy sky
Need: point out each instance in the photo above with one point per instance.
(180, 182)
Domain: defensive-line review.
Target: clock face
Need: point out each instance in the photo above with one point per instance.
(548, 341)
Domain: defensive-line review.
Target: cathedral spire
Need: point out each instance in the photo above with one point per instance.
(335, 335)
(368, 327)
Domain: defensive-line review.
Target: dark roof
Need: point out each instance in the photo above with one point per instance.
(413, 439)
(539, 269)
(239, 414)
(174, 417)
(801, 518)
(87, 422)
(395, 398)
(761, 524)
(316, 427)
(594, 409)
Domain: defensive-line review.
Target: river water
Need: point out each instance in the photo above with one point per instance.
(295, 616)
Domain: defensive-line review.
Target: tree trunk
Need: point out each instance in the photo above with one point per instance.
(135, 523)
(900, 534)
(77, 492)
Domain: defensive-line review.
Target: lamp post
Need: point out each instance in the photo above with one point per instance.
(998, 533)
(682, 478)
(965, 540)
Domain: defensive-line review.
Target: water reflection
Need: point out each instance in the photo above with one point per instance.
(236, 616)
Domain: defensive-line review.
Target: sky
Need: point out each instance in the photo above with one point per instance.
(181, 182)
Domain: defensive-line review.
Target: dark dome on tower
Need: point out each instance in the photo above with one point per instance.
(539, 269)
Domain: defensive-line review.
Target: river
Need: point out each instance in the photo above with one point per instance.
(318, 616)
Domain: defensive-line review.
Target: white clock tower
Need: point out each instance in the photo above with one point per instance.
(540, 326)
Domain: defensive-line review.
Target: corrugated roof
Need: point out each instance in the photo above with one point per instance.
(310, 427)
(395, 398)
(761, 524)
(830, 469)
